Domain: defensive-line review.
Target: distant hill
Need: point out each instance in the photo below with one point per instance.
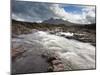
(45, 26)
(67, 23)
(57, 22)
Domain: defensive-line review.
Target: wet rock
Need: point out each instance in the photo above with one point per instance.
(44, 55)
(50, 59)
(16, 52)
(59, 67)
(50, 69)
(56, 62)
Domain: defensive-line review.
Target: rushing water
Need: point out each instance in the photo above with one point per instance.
(74, 54)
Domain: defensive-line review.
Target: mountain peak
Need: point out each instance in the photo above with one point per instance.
(57, 21)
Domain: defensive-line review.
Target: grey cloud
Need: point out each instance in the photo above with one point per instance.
(32, 11)
(90, 19)
(36, 12)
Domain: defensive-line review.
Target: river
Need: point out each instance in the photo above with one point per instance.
(75, 55)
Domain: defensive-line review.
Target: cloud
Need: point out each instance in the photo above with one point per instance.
(30, 11)
(87, 15)
(61, 13)
(37, 12)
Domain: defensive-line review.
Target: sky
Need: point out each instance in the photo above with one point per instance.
(40, 11)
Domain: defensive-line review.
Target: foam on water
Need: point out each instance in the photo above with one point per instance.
(74, 54)
(66, 34)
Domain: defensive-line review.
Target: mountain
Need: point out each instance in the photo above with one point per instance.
(57, 21)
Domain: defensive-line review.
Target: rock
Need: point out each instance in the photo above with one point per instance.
(51, 59)
(50, 69)
(17, 51)
(59, 67)
(55, 62)
(44, 55)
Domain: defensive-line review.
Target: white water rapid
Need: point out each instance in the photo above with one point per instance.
(74, 54)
